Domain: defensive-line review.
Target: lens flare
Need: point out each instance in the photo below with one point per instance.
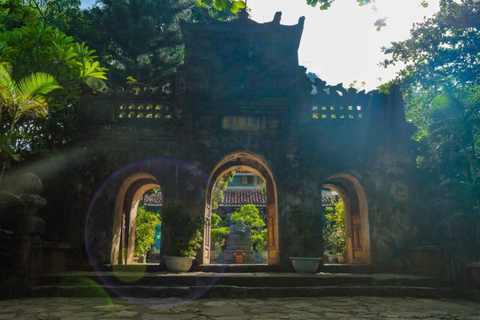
(134, 280)
(90, 287)
(133, 274)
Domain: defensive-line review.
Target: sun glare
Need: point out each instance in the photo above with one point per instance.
(342, 44)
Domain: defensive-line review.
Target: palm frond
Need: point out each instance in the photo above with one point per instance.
(39, 107)
(7, 86)
(36, 84)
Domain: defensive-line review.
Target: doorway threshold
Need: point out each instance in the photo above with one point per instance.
(242, 268)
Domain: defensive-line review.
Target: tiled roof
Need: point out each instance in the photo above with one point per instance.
(234, 197)
(153, 199)
(240, 197)
(329, 201)
(244, 173)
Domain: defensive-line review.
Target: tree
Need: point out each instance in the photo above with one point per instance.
(39, 48)
(19, 100)
(145, 225)
(235, 5)
(223, 5)
(219, 232)
(137, 38)
(215, 220)
(334, 235)
(250, 215)
(14, 14)
(441, 83)
(442, 50)
(220, 187)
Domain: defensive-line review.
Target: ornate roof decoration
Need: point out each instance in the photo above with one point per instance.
(243, 25)
(240, 48)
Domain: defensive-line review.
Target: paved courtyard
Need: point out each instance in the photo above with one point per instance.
(239, 309)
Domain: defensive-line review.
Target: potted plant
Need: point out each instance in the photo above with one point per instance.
(307, 227)
(184, 232)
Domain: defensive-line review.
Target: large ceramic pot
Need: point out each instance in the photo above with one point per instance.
(178, 264)
(305, 264)
(475, 272)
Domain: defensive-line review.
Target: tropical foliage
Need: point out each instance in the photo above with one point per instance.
(307, 232)
(441, 83)
(250, 215)
(220, 187)
(334, 235)
(219, 235)
(145, 226)
(19, 100)
(37, 47)
(234, 5)
(137, 38)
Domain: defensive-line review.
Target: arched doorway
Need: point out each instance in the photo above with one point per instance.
(254, 163)
(356, 216)
(125, 213)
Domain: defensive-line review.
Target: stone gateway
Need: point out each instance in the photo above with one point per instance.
(240, 101)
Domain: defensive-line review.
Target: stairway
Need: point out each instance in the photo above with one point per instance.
(238, 281)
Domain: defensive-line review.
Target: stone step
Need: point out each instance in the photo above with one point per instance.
(221, 291)
(160, 279)
(243, 268)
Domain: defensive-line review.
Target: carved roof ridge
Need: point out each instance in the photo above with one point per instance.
(244, 23)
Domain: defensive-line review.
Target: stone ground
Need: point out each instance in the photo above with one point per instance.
(238, 309)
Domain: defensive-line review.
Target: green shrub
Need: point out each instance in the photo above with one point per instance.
(334, 235)
(259, 238)
(307, 227)
(145, 225)
(218, 234)
(184, 230)
(250, 215)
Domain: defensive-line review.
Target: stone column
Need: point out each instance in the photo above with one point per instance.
(25, 223)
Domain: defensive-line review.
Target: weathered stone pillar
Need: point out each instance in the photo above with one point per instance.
(25, 223)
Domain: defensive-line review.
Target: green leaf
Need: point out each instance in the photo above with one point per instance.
(234, 8)
(240, 4)
(218, 4)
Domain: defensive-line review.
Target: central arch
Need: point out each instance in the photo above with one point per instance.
(254, 163)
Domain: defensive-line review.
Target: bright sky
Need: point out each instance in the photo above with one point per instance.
(342, 44)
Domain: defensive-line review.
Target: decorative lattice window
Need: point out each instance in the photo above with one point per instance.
(144, 111)
(336, 113)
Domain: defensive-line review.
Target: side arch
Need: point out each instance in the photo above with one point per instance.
(125, 212)
(356, 216)
(255, 163)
